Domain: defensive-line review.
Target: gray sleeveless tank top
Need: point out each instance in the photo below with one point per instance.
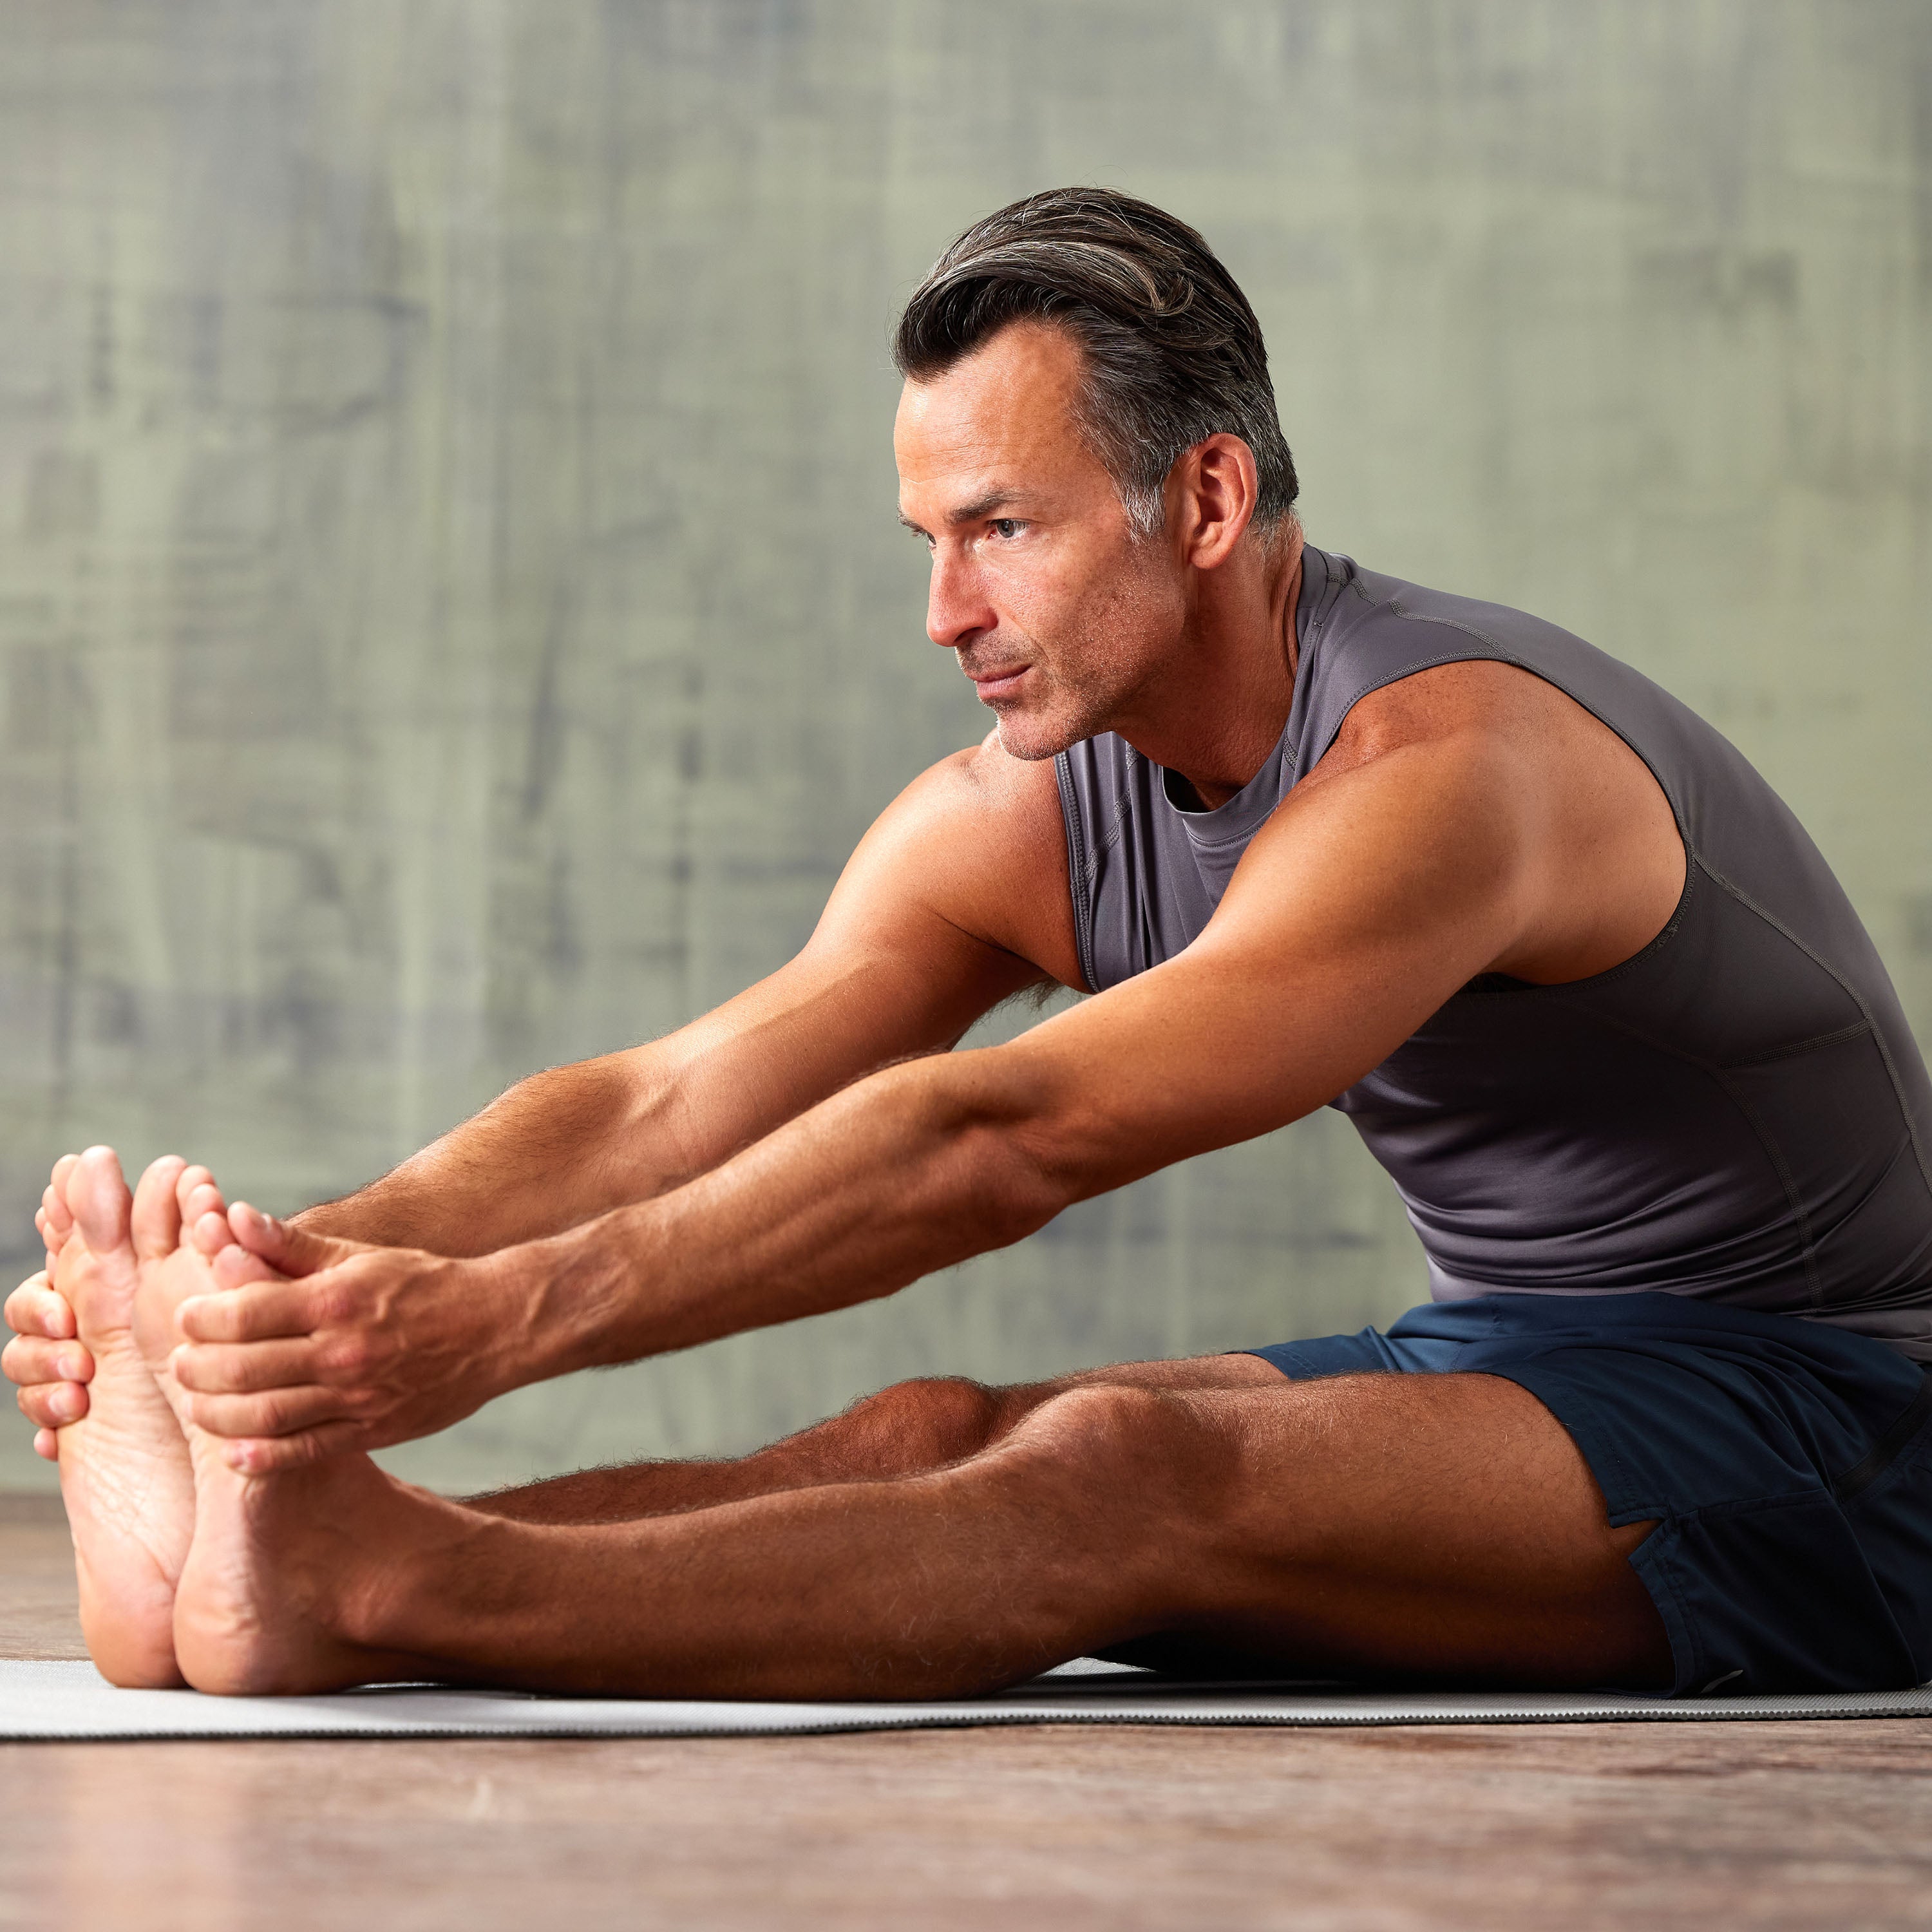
(1739, 1111)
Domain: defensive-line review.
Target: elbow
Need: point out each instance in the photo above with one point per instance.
(1009, 1159)
(1018, 1192)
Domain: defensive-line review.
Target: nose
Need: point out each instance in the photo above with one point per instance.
(956, 609)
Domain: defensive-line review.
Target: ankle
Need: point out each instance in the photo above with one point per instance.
(409, 1569)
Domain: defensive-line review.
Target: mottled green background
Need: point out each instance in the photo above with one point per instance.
(451, 616)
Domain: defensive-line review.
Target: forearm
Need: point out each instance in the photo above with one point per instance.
(566, 1146)
(558, 1149)
(914, 1169)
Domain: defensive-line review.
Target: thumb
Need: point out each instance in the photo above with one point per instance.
(290, 1251)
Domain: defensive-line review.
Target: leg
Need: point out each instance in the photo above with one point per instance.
(1442, 1526)
(908, 1429)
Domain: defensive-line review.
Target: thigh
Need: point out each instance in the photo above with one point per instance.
(1442, 1526)
(1185, 1372)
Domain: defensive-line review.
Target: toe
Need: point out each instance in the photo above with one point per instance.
(209, 1229)
(196, 1184)
(55, 1222)
(156, 1217)
(99, 1201)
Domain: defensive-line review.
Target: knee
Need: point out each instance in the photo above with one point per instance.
(935, 1420)
(1107, 1439)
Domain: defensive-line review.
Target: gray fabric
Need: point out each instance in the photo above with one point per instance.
(51, 1701)
(1739, 1112)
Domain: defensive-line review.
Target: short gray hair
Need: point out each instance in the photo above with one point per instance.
(1174, 354)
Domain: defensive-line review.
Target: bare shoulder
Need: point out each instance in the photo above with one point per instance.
(1490, 708)
(1574, 809)
(982, 799)
(979, 839)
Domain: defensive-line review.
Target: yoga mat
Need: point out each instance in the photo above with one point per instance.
(72, 1701)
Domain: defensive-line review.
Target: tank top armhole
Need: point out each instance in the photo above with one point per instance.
(1080, 885)
(1495, 652)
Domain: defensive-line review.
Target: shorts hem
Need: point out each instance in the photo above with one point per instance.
(1650, 1558)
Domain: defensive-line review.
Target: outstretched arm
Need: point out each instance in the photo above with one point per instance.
(1370, 898)
(1470, 819)
(939, 916)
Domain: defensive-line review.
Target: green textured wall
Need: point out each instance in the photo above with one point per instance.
(452, 619)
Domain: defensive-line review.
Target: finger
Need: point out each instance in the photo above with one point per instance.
(27, 1359)
(47, 1444)
(53, 1405)
(235, 1368)
(263, 1311)
(293, 1250)
(259, 1455)
(282, 1411)
(234, 1265)
(36, 1307)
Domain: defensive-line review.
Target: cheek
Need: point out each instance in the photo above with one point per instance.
(1054, 598)
(1133, 614)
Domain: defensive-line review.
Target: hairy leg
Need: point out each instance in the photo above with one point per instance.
(905, 1430)
(1441, 1526)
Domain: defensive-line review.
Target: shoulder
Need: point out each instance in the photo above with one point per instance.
(979, 839)
(1482, 709)
(1015, 798)
(1397, 663)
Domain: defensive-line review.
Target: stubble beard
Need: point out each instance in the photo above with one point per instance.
(1045, 729)
(1066, 711)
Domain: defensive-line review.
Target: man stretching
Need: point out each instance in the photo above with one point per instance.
(1308, 835)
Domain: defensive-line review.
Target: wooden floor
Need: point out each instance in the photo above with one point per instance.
(1705, 1826)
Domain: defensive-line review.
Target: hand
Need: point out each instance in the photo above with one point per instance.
(349, 1347)
(52, 1368)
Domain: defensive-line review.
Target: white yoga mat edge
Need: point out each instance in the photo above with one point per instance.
(70, 1702)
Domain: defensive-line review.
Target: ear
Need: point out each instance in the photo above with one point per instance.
(1219, 488)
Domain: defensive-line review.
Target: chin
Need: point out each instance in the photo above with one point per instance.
(1033, 739)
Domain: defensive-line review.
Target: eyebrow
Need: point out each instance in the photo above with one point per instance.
(972, 512)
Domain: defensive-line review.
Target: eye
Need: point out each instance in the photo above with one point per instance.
(1007, 526)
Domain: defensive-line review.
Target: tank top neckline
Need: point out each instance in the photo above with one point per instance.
(1236, 820)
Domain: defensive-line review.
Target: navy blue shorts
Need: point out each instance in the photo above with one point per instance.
(1788, 1465)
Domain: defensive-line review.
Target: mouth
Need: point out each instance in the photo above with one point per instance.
(993, 685)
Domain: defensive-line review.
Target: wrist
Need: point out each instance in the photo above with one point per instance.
(544, 1322)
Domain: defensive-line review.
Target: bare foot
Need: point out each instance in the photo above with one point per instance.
(124, 1465)
(282, 1564)
(125, 1474)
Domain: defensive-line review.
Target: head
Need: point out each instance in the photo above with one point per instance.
(1087, 423)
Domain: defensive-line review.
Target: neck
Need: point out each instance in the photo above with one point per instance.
(1215, 719)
